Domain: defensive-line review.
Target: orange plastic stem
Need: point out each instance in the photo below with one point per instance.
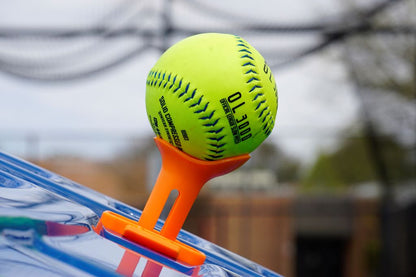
(179, 172)
(187, 175)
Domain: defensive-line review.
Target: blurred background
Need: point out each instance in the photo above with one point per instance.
(331, 192)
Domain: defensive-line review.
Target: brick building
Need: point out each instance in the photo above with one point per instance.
(294, 236)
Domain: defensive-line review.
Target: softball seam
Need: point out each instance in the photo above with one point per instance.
(256, 89)
(176, 85)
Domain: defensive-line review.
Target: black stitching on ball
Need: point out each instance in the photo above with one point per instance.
(156, 78)
(259, 97)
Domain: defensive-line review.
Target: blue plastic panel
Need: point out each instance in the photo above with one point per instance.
(46, 229)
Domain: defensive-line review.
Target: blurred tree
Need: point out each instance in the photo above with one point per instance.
(383, 69)
(386, 61)
(271, 156)
(323, 174)
(351, 164)
(288, 168)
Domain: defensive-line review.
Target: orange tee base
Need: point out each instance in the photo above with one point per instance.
(185, 174)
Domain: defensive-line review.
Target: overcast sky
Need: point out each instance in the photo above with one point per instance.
(315, 97)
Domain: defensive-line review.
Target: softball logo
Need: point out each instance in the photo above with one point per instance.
(212, 96)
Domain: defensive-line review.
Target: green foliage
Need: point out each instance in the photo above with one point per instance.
(352, 164)
(400, 161)
(272, 157)
(288, 170)
(323, 173)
